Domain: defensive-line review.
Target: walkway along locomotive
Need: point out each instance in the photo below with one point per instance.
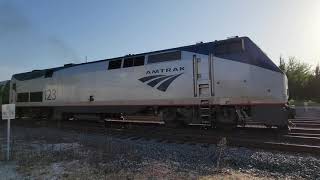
(222, 82)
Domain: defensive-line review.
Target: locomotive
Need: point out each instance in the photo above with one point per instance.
(226, 82)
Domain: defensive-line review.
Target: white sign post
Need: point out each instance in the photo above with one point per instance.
(8, 113)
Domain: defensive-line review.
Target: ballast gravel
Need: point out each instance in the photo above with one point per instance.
(59, 154)
(202, 160)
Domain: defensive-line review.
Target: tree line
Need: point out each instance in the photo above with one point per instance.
(4, 92)
(303, 80)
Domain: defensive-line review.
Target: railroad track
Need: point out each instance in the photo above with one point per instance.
(301, 138)
(244, 138)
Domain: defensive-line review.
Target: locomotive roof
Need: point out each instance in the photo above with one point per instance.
(252, 55)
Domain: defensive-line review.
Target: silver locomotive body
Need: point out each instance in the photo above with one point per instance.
(227, 82)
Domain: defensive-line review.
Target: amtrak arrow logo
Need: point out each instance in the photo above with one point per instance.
(163, 81)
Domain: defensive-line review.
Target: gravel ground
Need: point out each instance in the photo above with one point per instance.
(46, 153)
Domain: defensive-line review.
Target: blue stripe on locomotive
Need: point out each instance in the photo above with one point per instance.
(252, 55)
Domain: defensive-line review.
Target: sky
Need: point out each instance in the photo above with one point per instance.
(39, 34)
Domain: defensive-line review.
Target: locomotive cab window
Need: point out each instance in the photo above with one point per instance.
(138, 61)
(36, 97)
(128, 62)
(135, 61)
(23, 97)
(168, 56)
(115, 64)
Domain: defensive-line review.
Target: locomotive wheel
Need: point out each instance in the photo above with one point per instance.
(284, 128)
(268, 126)
(67, 116)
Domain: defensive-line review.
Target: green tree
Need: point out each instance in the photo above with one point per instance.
(282, 65)
(314, 85)
(299, 75)
(4, 93)
(317, 72)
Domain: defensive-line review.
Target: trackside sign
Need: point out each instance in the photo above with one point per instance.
(8, 111)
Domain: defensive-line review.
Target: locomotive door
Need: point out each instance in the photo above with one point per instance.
(202, 75)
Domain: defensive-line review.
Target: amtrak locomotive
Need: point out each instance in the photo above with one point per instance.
(227, 82)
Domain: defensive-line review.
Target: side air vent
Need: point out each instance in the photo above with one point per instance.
(168, 56)
(229, 47)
